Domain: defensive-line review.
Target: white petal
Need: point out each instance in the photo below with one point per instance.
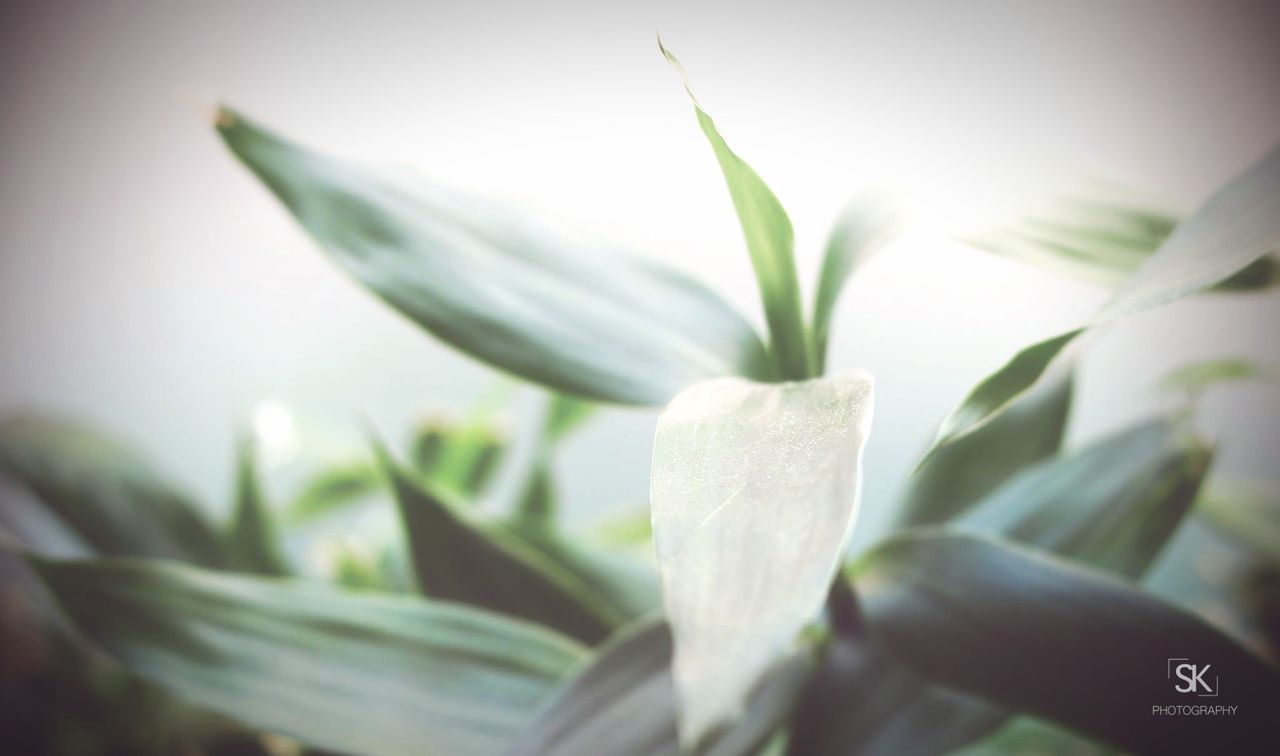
(754, 490)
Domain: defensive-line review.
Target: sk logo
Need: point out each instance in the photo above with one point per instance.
(1192, 677)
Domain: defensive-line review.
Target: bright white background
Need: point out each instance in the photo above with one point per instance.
(149, 284)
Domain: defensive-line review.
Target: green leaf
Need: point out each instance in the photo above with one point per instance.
(1193, 379)
(1235, 227)
(1028, 735)
(624, 697)
(770, 240)
(535, 504)
(342, 671)
(863, 700)
(1045, 636)
(1102, 239)
(956, 474)
(457, 560)
(627, 586)
(1002, 388)
(104, 492)
(333, 489)
(602, 326)
(1245, 511)
(252, 541)
(1113, 505)
(1238, 225)
(754, 489)
(869, 222)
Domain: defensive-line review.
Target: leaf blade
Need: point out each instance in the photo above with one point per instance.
(497, 287)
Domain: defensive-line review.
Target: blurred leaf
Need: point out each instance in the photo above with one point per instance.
(1113, 505)
(602, 326)
(104, 492)
(535, 503)
(252, 542)
(769, 237)
(624, 697)
(632, 528)
(1002, 388)
(956, 474)
(1031, 736)
(1194, 378)
(1234, 228)
(462, 457)
(333, 489)
(1041, 635)
(564, 415)
(1101, 239)
(869, 222)
(626, 585)
(1246, 511)
(863, 700)
(350, 672)
(754, 490)
(456, 560)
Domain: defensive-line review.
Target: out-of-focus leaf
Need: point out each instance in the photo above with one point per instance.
(863, 700)
(770, 240)
(565, 414)
(1238, 225)
(754, 490)
(869, 222)
(253, 544)
(958, 473)
(1042, 635)
(1113, 505)
(1001, 389)
(603, 326)
(626, 529)
(536, 505)
(333, 489)
(1245, 511)
(456, 560)
(626, 585)
(462, 457)
(104, 492)
(625, 698)
(1101, 240)
(350, 672)
(1194, 378)
(1028, 736)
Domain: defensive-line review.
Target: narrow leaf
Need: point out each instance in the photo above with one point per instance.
(869, 222)
(252, 542)
(602, 326)
(333, 489)
(754, 489)
(1246, 511)
(956, 474)
(999, 390)
(770, 241)
(104, 492)
(1235, 228)
(1042, 635)
(342, 671)
(456, 560)
(1113, 505)
(1237, 225)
